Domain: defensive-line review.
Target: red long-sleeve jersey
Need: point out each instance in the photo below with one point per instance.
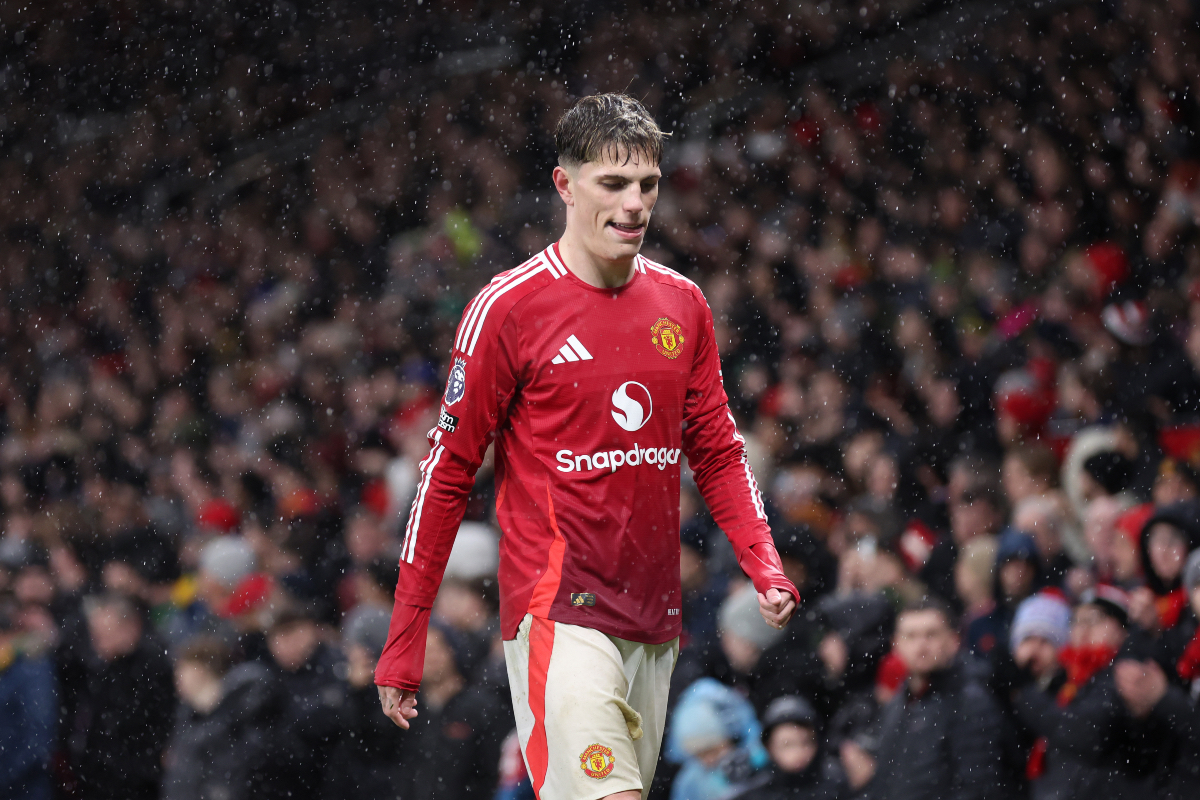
(591, 396)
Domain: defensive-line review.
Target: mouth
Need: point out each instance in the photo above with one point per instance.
(628, 230)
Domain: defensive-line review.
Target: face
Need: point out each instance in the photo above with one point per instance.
(609, 203)
(970, 519)
(1093, 628)
(925, 642)
(292, 646)
(792, 747)
(113, 636)
(1016, 579)
(194, 684)
(1167, 551)
(1038, 654)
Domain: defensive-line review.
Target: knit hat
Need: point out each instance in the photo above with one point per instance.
(740, 615)
(1045, 615)
(367, 627)
(227, 559)
(1191, 571)
(1015, 545)
(476, 553)
(700, 727)
(1129, 322)
(791, 708)
(1110, 600)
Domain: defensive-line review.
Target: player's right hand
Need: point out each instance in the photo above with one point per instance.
(399, 705)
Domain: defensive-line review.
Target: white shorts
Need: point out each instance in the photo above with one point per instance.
(590, 708)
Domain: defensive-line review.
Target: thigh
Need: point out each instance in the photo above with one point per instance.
(574, 722)
(648, 669)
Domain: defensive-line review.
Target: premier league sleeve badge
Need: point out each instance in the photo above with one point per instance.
(456, 384)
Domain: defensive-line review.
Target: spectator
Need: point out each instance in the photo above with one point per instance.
(800, 768)
(715, 736)
(372, 760)
(124, 706)
(226, 718)
(28, 704)
(313, 721)
(454, 747)
(1093, 744)
(941, 735)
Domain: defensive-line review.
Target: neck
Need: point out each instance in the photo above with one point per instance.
(590, 268)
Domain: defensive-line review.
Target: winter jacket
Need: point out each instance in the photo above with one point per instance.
(822, 780)
(1178, 772)
(944, 744)
(308, 730)
(122, 721)
(219, 755)
(1094, 747)
(454, 752)
(372, 761)
(28, 723)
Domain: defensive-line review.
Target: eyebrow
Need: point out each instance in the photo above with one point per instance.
(609, 176)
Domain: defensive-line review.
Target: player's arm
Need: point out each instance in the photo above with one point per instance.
(717, 455)
(483, 380)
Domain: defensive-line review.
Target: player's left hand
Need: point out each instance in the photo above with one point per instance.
(776, 607)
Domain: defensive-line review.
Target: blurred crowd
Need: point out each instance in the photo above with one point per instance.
(959, 315)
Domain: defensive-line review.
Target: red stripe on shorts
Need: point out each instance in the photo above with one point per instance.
(541, 644)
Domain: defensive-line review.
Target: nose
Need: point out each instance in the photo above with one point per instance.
(633, 201)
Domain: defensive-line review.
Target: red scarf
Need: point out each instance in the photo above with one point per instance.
(1189, 663)
(1169, 607)
(1081, 663)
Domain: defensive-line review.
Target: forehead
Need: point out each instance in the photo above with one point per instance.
(927, 619)
(630, 164)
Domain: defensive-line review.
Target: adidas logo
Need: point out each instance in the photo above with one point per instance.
(573, 350)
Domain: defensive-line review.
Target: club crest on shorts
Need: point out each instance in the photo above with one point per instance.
(597, 761)
(667, 337)
(456, 384)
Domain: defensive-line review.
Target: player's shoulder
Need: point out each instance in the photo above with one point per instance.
(492, 304)
(665, 275)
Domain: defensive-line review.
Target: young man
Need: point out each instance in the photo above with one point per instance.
(593, 370)
(940, 736)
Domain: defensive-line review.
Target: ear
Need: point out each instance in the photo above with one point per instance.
(563, 182)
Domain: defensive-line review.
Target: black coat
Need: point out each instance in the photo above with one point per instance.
(1095, 749)
(823, 780)
(122, 722)
(454, 751)
(1178, 774)
(371, 761)
(308, 730)
(945, 744)
(219, 755)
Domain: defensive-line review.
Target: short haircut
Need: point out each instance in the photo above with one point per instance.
(605, 125)
(931, 602)
(209, 652)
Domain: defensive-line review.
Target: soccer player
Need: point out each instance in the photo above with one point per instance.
(593, 370)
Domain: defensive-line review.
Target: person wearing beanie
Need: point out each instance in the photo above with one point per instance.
(800, 768)
(1089, 741)
(716, 738)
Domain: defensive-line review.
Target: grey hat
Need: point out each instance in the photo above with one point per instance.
(740, 615)
(227, 559)
(367, 627)
(1191, 571)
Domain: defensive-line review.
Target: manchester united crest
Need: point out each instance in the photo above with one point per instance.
(667, 337)
(597, 761)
